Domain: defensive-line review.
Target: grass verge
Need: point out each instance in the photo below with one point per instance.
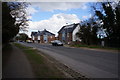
(41, 67)
(95, 47)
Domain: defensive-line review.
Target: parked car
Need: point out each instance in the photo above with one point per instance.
(57, 43)
(28, 41)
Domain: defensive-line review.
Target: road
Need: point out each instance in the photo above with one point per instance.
(91, 63)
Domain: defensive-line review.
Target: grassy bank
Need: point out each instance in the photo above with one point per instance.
(95, 47)
(41, 67)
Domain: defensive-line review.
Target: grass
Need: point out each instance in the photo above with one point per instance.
(41, 67)
(95, 47)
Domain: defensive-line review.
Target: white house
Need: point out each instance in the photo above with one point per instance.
(67, 33)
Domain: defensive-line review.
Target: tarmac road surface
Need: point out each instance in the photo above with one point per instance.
(91, 63)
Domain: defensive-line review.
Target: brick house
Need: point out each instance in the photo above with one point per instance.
(42, 36)
(67, 33)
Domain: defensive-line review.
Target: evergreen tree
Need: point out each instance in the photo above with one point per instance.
(88, 32)
(111, 22)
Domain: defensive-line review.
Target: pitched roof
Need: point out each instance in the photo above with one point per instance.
(68, 28)
(34, 33)
(44, 32)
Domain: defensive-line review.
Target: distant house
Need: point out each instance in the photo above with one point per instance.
(42, 36)
(67, 33)
(34, 36)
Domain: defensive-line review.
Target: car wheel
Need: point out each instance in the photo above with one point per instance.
(55, 44)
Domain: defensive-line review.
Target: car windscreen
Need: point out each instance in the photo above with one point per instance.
(58, 41)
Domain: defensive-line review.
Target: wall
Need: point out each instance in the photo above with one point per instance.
(41, 39)
(60, 36)
(36, 39)
(74, 37)
(70, 37)
(51, 38)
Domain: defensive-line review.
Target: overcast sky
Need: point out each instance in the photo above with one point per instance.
(54, 15)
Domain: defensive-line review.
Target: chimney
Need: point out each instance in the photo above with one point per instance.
(38, 31)
(44, 29)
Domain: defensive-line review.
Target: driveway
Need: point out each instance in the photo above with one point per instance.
(91, 63)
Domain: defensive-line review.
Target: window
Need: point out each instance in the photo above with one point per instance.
(63, 34)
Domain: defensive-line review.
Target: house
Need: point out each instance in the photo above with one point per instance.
(42, 36)
(67, 33)
(34, 36)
